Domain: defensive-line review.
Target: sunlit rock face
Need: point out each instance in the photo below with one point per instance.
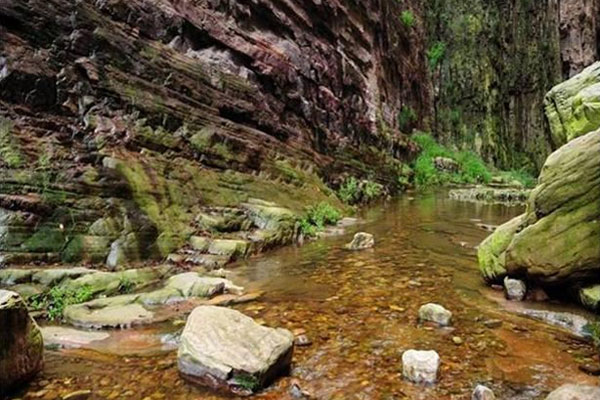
(122, 120)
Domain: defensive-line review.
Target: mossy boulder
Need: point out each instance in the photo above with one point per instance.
(556, 241)
(573, 107)
(21, 343)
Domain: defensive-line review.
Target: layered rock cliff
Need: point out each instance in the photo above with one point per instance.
(123, 124)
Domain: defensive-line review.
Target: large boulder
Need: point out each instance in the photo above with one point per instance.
(575, 392)
(21, 343)
(563, 210)
(573, 107)
(226, 350)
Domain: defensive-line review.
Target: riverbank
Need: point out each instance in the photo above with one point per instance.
(359, 312)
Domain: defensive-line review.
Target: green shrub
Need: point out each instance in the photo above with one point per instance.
(56, 299)
(126, 285)
(372, 190)
(247, 382)
(317, 217)
(349, 191)
(593, 329)
(407, 18)
(435, 54)
(520, 175)
(472, 169)
(406, 117)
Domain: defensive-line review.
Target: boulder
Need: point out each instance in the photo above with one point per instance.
(21, 343)
(575, 392)
(226, 350)
(563, 210)
(483, 393)
(514, 289)
(420, 366)
(573, 107)
(435, 313)
(361, 241)
(589, 297)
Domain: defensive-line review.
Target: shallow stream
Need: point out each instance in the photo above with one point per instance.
(359, 309)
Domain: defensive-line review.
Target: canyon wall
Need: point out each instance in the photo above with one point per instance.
(123, 123)
(500, 59)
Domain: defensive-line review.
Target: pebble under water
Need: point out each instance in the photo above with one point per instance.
(358, 313)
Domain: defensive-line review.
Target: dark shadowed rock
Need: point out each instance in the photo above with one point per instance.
(21, 343)
(226, 350)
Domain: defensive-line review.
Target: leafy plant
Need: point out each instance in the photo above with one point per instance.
(247, 382)
(435, 54)
(56, 299)
(471, 168)
(406, 117)
(407, 18)
(317, 217)
(126, 285)
(349, 191)
(593, 329)
(372, 190)
(519, 175)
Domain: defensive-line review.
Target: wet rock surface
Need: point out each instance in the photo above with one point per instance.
(435, 313)
(361, 241)
(224, 349)
(420, 366)
(21, 343)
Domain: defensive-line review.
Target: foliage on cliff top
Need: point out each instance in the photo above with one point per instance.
(471, 168)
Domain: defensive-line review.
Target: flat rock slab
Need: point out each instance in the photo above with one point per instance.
(575, 392)
(226, 350)
(70, 338)
(113, 316)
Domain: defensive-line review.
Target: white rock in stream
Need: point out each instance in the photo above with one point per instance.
(575, 392)
(224, 349)
(514, 289)
(483, 393)
(420, 366)
(435, 313)
(361, 241)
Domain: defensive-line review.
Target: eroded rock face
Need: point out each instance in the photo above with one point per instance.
(21, 343)
(224, 349)
(155, 110)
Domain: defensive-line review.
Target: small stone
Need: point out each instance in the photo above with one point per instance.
(302, 340)
(78, 395)
(492, 323)
(435, 313)
(361, 241)
(590, 369)
(420, 366)
(483, 393)
(514, 289)
(457, 340)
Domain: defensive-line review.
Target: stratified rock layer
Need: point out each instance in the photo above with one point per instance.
(224, 349)
(124, 123)
(21, 343)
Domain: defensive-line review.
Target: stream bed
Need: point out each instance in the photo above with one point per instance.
(359, 311)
